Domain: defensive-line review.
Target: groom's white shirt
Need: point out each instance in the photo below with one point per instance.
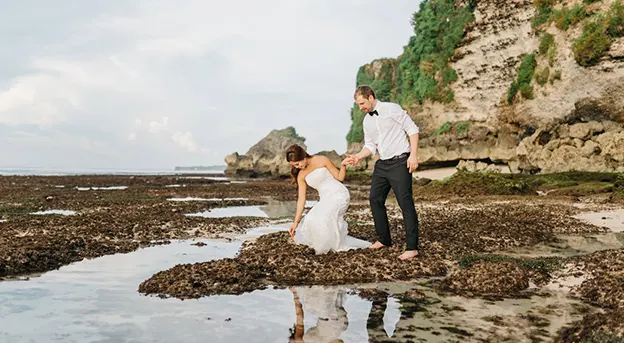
(386, 132)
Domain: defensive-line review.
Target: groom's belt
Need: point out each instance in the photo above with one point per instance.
(396, 157)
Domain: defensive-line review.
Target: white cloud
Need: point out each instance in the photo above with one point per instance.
(186, 140)
(157, 127)
(34, 99)
(153, 78)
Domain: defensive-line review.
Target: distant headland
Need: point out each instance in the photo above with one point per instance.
(211, 168)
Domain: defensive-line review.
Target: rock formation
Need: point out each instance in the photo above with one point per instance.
(267, 157)
(523, 94)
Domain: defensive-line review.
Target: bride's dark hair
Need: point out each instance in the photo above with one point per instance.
(295, 153)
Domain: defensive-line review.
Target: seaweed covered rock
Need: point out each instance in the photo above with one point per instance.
(465, 183)
(487, 279)
(605, 283)
(225, 276)
(603, 287)
(274, 260)
(595, 328)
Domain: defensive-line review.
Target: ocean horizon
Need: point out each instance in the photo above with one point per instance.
(42, 171)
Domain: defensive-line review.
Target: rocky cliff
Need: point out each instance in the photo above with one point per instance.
(534, 84)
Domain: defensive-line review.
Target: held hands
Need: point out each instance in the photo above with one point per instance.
(350, 159)
(412, 163)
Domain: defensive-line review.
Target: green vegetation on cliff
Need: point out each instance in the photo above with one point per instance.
(422, 71)
(598, 35)
(599, 31)
(564, 18)
(593, 43)
(456, 127)
(523, 80)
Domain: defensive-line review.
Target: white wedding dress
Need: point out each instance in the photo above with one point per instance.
(323, 228)
(327, 305)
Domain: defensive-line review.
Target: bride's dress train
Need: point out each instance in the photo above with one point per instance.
(324, 228)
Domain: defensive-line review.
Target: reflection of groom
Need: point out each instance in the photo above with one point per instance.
(385, 126)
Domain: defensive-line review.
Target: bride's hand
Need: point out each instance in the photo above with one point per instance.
(349, 159)
(292, 229)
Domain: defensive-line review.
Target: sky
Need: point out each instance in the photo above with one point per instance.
(149, 84)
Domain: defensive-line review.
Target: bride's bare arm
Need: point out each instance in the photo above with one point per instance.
(299, 312)
(301, 198)
(337, 174)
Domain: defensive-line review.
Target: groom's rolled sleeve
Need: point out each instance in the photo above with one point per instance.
(368, 141)
(406, 122)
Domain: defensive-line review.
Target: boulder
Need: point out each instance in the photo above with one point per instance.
(586, 146)
(267, 157)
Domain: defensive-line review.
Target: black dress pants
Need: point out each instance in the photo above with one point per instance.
(393, 174)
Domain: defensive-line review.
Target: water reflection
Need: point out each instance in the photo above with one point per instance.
(327, 305)
(328, 314)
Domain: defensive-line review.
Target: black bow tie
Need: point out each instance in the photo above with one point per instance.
(373, 113)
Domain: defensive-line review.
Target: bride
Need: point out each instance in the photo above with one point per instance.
(323, 228)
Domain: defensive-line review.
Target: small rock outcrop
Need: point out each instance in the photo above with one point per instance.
(267, 157)
(472, 166)
(487, 278)
(591, 146)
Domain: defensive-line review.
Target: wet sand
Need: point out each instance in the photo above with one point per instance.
(531, 245)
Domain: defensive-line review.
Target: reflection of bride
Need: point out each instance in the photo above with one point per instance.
(327, 305)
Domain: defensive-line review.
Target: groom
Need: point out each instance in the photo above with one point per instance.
(386, 128)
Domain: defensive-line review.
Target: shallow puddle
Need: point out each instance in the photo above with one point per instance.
(570, 245)
(614, 220)
(97, 301)
(444, 319)
(234, 211)
(204, 199)
(102, 188)
(274, 209)
(61, 212)
(582, 244)
(215, 178)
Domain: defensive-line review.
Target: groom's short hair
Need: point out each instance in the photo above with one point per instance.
(364, 91)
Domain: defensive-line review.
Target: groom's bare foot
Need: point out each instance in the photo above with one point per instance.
(376, 245)
(408, 254)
